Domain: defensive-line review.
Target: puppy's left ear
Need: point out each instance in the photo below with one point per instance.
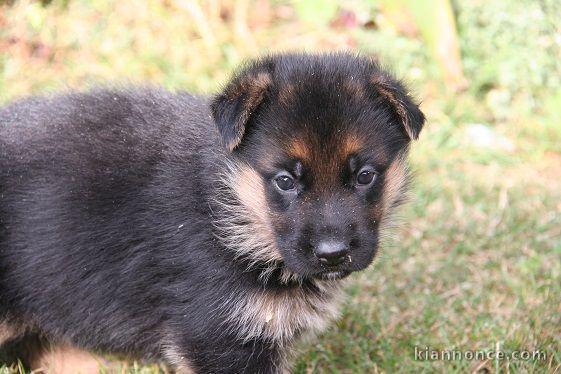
(411, 117)
(233, 107)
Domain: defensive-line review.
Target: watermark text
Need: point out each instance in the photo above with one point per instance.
(425, 353)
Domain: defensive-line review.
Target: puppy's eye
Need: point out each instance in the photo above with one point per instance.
(365, 177)
(284, 182)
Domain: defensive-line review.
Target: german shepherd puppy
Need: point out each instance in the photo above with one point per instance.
(209, 233)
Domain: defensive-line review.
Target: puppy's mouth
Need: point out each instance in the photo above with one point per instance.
(332, 274)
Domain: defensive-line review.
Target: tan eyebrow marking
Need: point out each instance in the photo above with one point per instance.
(298, 148)
(351, 144)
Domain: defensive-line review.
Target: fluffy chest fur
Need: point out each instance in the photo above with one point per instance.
(281, 316)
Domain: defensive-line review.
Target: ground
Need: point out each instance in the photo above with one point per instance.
(475, 262)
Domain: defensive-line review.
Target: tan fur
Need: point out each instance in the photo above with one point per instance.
(279, 315)
(394, 186)
(255, 240)
(329, 162)
(64, 359)
(299, 149)
(383, 88)
(351, 144)
(179, 362)
(253, 88)
(325, 160)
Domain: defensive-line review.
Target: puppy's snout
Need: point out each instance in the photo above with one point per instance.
(331, 252)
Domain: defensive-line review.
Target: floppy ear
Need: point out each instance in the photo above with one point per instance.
(411, 117)
(232, 108)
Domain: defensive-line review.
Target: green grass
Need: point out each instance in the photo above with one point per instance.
(476, 263)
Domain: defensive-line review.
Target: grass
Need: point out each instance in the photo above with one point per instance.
(477, 261)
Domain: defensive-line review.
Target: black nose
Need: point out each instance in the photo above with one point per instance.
(331, 252)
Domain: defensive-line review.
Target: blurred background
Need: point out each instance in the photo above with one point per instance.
(476, 263)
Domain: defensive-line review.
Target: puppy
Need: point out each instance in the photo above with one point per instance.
(209, 233)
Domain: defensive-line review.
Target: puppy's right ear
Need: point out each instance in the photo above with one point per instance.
(233, 107)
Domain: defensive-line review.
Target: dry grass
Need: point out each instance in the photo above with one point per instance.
(477, 263)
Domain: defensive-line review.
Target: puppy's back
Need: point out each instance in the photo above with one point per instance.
(100, 124)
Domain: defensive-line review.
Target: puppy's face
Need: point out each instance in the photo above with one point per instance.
(320, 143)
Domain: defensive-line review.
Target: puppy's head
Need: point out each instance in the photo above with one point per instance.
(317, 147)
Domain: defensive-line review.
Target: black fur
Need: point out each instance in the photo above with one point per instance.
(107, 203)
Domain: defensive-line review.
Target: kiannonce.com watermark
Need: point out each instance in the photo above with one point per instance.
(425, 353)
